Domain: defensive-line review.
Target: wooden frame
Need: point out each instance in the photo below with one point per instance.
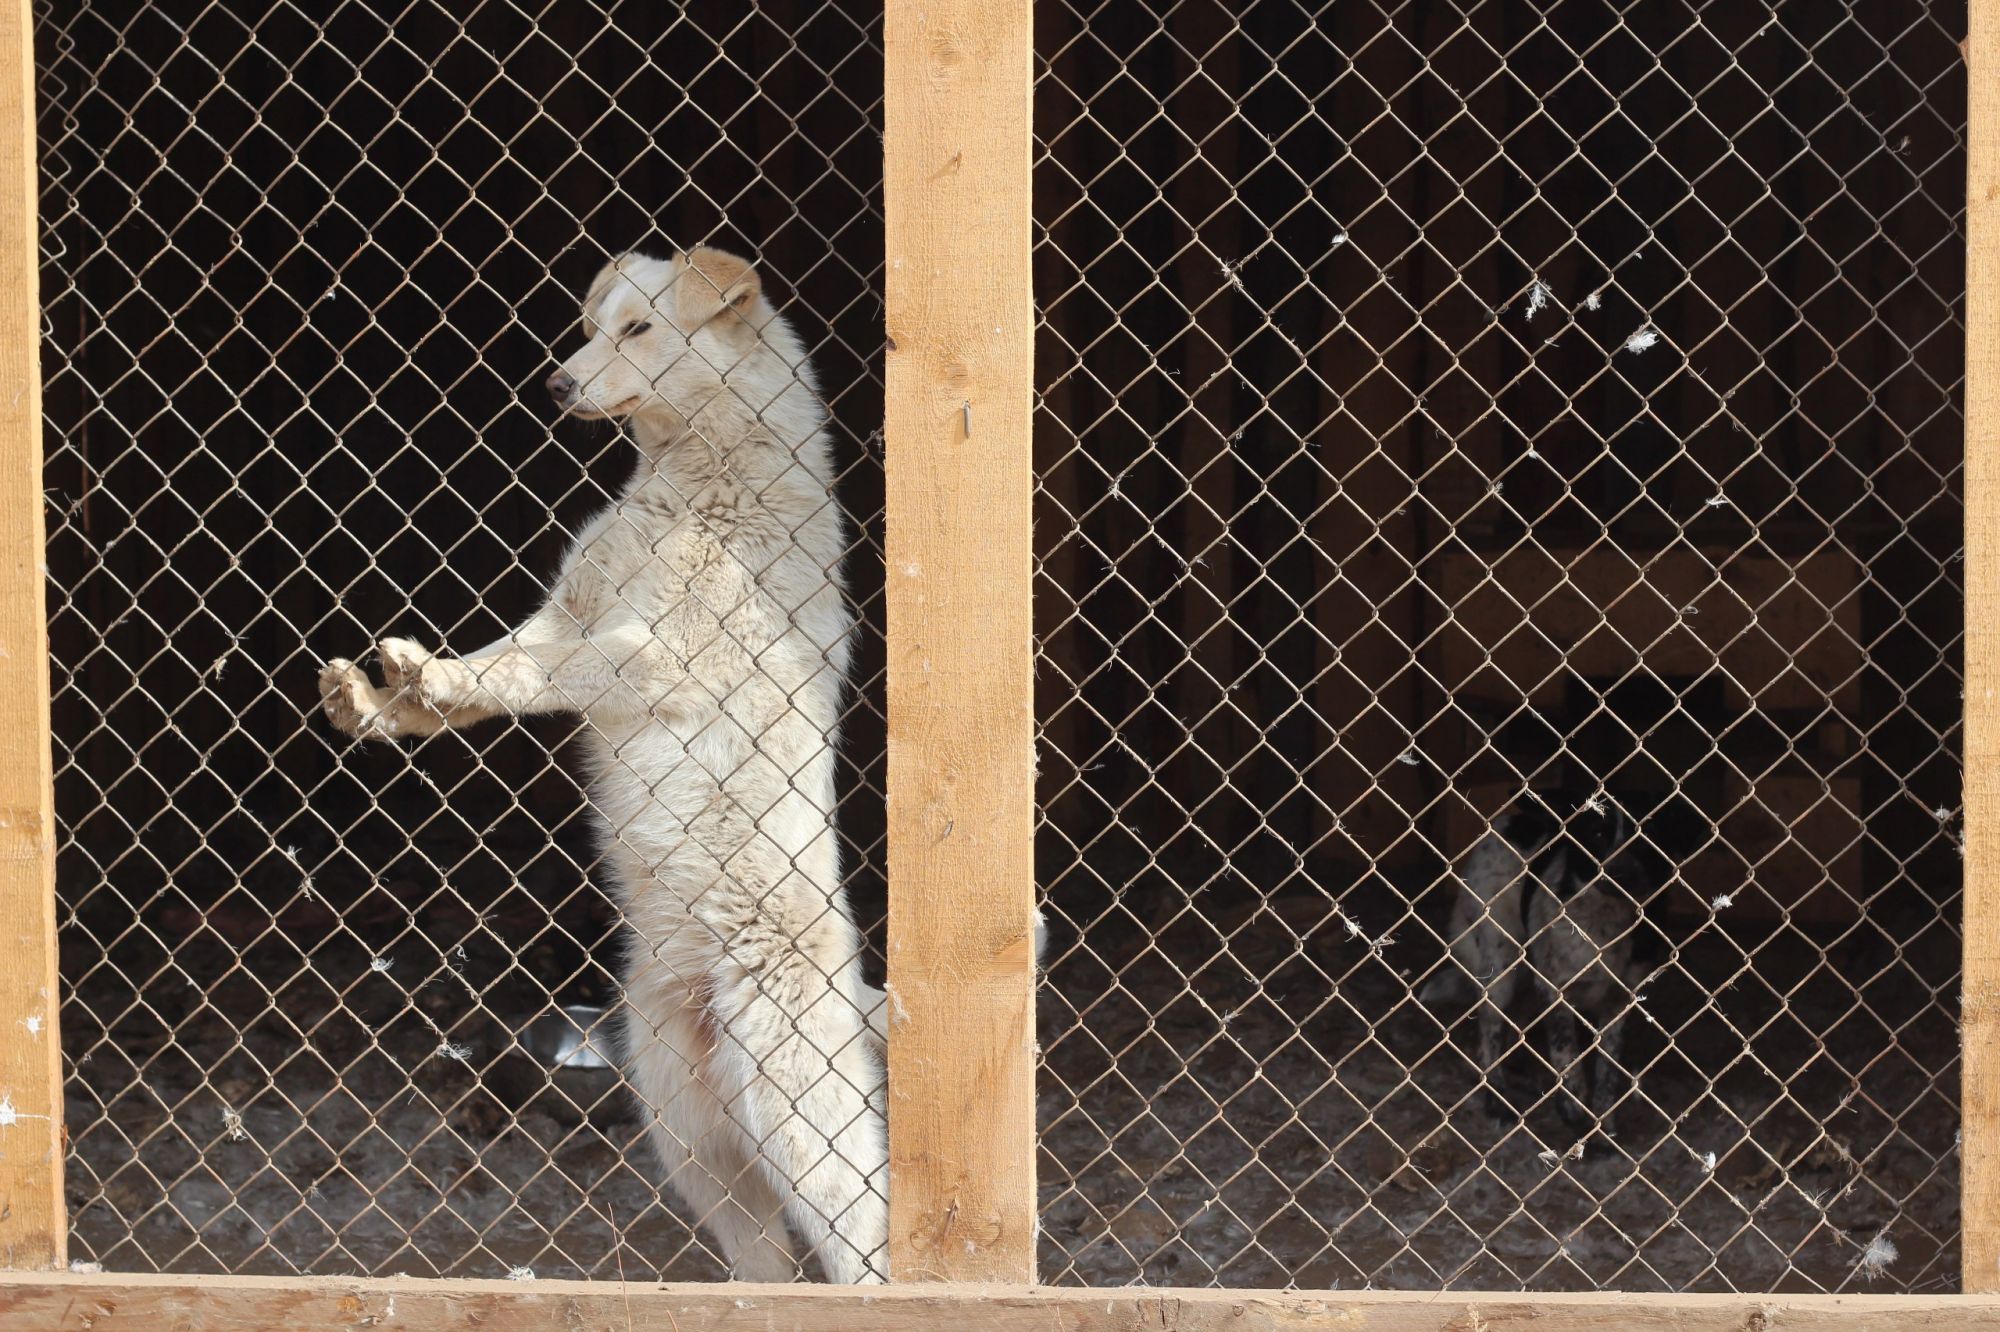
(33, 1223)
(961, 767)
(1979, 1102)
(254, 1304)
(961, 653)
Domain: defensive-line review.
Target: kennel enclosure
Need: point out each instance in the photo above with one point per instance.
(1280, 440)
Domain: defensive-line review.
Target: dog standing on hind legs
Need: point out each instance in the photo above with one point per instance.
(700, 626)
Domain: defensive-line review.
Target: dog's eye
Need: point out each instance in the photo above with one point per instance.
(634, 330)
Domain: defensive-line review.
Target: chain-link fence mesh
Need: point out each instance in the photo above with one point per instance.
(1499, 486)
(305, 270)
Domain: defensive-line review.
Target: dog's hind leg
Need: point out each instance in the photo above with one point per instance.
(1609, 1079)
(1568, 1056)
(708, 1159)
(797, 1068)
(1497, 1037)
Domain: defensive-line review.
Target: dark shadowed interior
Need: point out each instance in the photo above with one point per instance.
(1455, 407)
(303, 280)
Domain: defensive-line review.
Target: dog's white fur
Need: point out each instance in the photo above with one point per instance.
(700, 626)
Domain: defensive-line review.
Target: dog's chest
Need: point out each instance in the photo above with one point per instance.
(650, 551)
(625, 561)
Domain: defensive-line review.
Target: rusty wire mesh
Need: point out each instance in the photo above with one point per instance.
(304, 268)
(1457, 414)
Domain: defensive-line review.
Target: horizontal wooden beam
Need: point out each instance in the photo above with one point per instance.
(118, 1302)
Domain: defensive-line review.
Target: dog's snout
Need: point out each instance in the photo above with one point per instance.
(562, 386)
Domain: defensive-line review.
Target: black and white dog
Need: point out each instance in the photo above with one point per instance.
(1548, 900)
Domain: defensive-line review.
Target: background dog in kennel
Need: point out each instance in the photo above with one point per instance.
(1406, 378)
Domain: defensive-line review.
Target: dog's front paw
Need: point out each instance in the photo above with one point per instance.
(403, 663)
(411, 675)
(352, 703)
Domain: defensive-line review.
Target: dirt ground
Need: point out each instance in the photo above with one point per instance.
(342, 1094)
(1332, 1135)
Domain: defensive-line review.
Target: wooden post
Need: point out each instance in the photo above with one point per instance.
(33, 1227)
(1980, 1022)
(960, 690)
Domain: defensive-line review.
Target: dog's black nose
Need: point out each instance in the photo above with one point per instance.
(561, 386)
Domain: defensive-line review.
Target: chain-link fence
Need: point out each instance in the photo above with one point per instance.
(1498, 529)
(305, 271)
(1498, 516)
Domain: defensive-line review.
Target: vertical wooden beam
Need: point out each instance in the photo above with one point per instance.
(956, 143)
(33, 1228)
(1980, 1023)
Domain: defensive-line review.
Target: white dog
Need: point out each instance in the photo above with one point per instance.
(700, 626)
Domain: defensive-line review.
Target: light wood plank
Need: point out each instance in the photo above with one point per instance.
(1980, 1098)
(33, 1229)
(960, 688)
(131, 1303)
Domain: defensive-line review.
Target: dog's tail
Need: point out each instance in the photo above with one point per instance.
(877, 1001)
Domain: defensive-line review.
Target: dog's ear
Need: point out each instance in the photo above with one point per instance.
(711, 281)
